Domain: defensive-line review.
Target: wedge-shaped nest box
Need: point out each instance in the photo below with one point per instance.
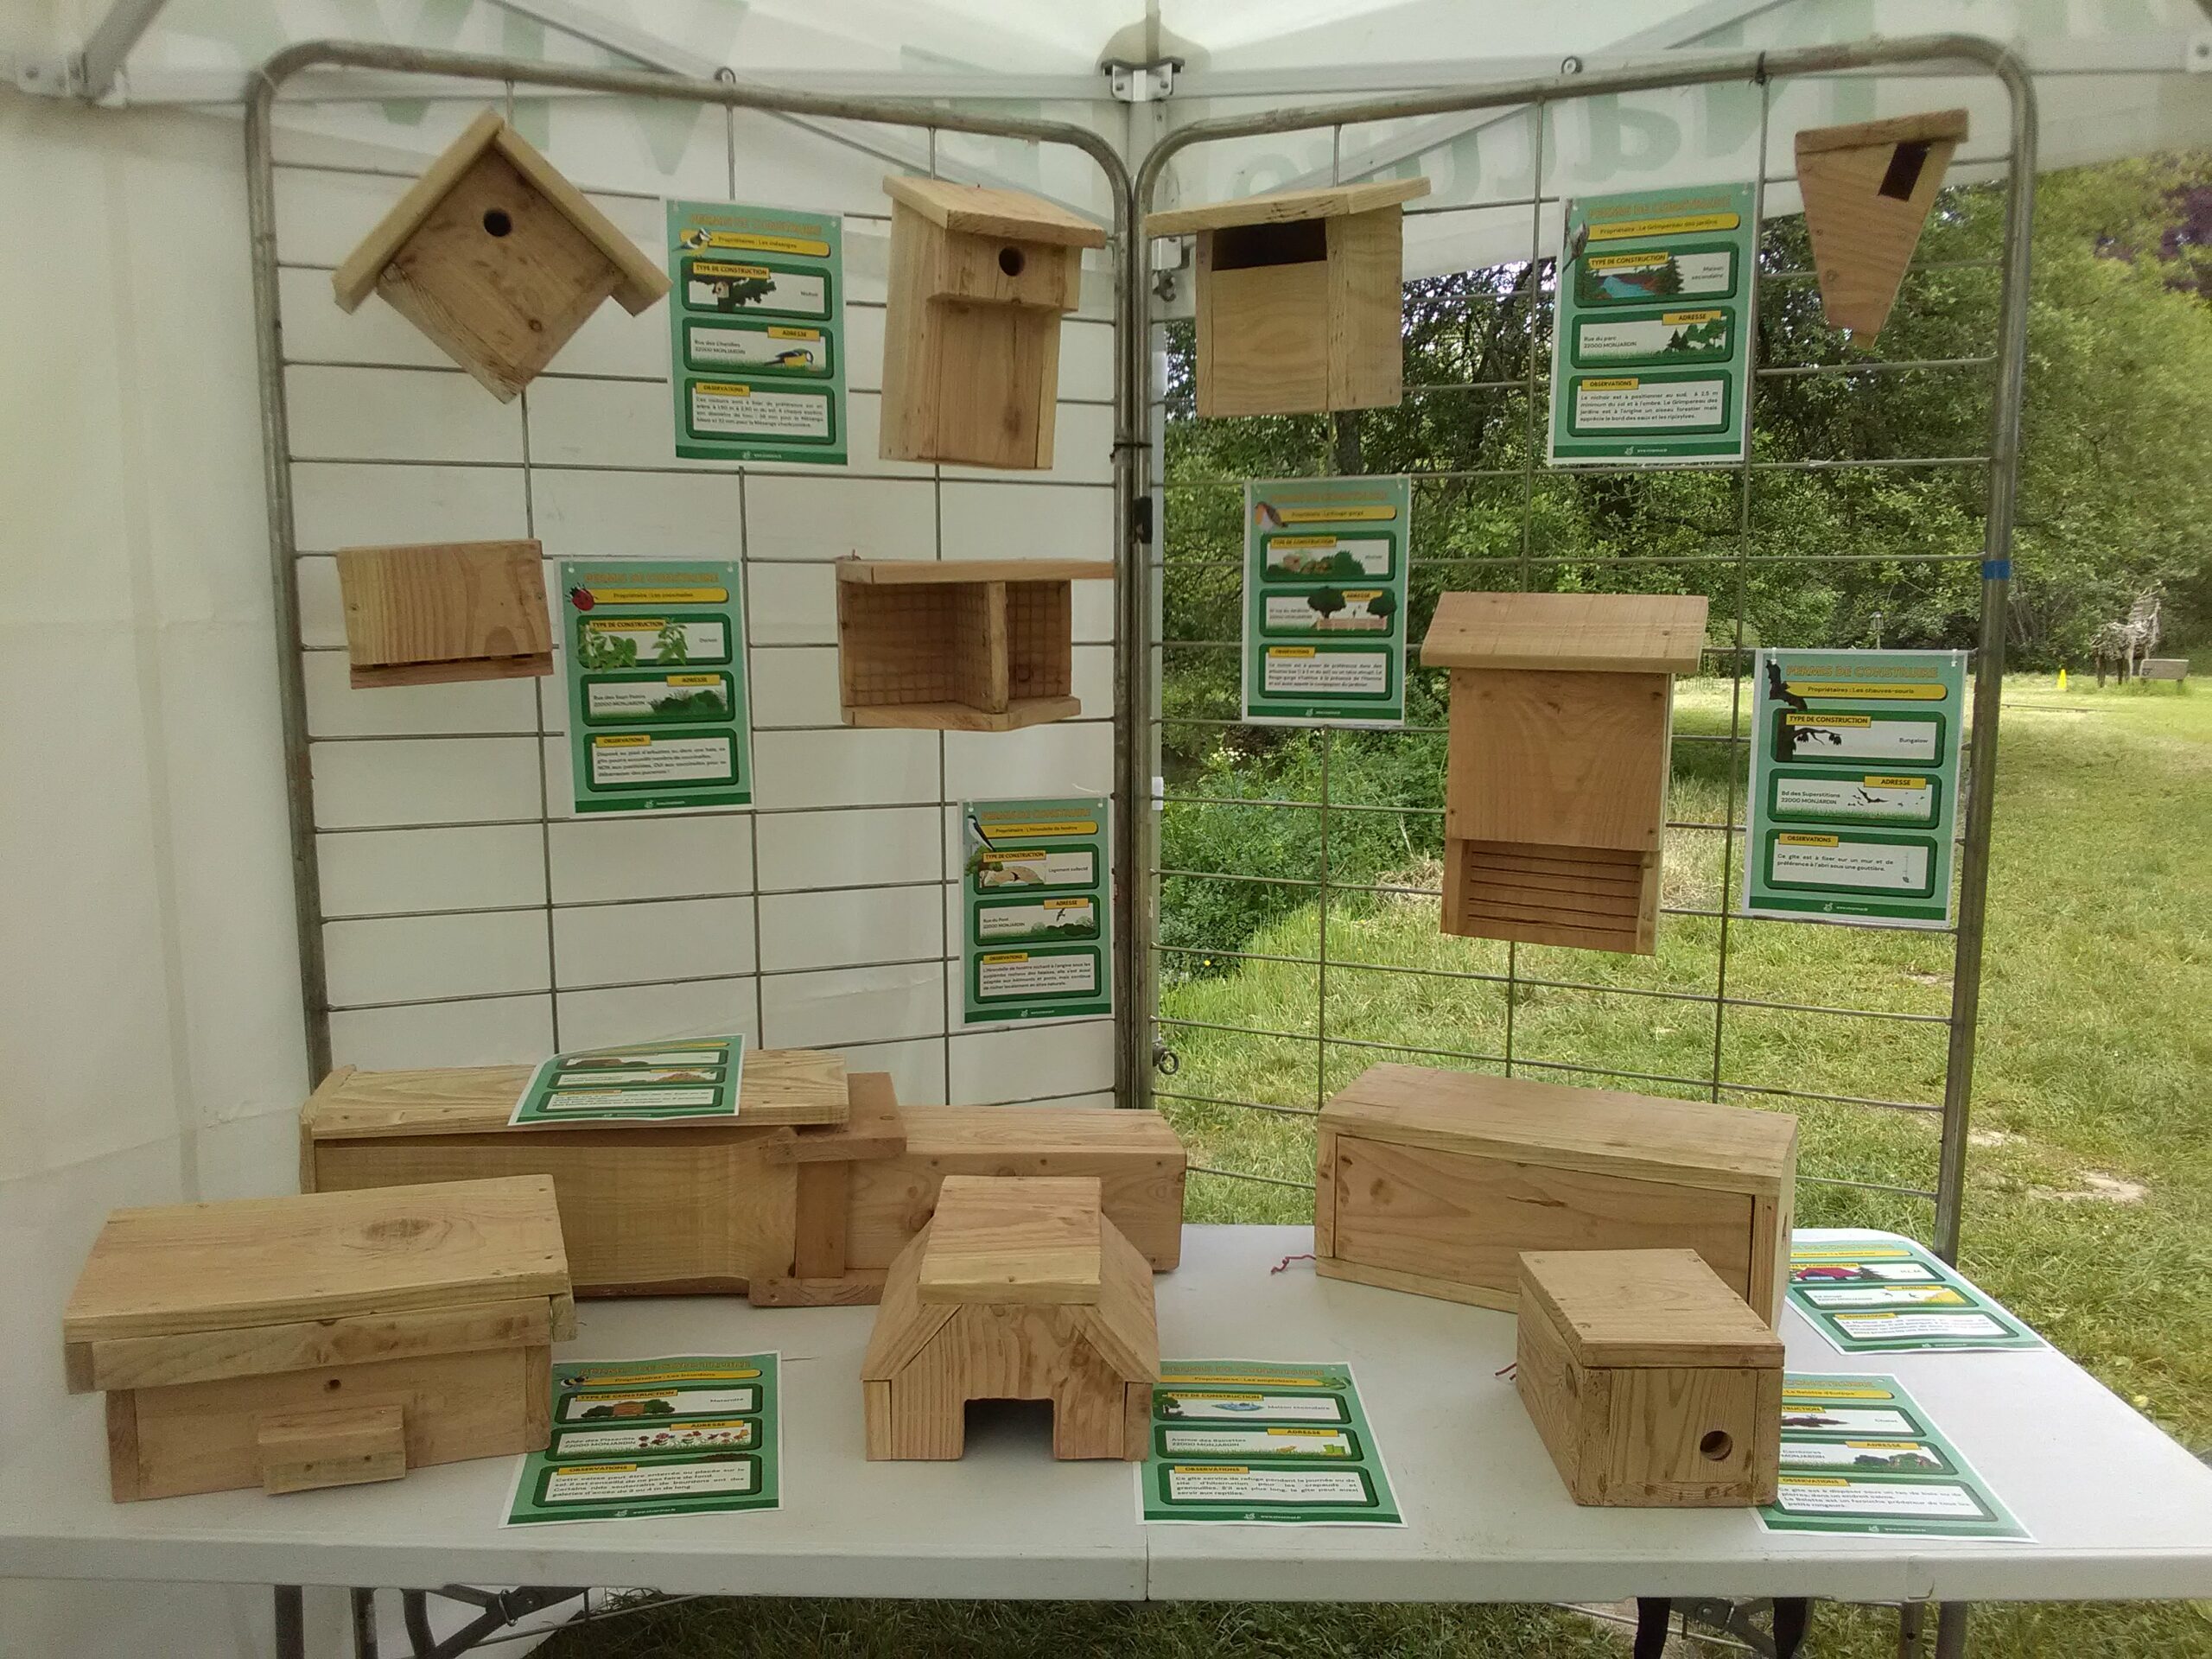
(1867, 189)
(958, 645)
(1301, 297)
(1556, 783)
(498, 258)
(440, 612)
(971, 333)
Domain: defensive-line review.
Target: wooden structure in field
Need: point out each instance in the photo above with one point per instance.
(1301, 297)
(958, 645)
(1868, 188)
(979, 279)
(323, 1340)
(444, 612)
(1556, 769)
(1435, 1182)
(498, 258)
(1019, 1288)
(1652, 1384)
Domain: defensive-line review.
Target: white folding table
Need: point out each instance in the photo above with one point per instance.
(2117, 1511)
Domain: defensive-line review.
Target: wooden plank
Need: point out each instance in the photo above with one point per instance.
(641, 280)
(1413, 1284)
(1868, 190)
(322, 1256)
(346, 1446)
(1325, 1194)
(990, 270)
(1019, 1239)
(1122, 1325)
(910, 572)
(980, 210)
(126, 1480)
(1628, 1308)
(905, 1325)
(1550, 1386)
(1926, 127)
(819, 1247)
(1018, 712)
(1482, 922)
(854, 1289)
(446, 611)
(1558, 759)
(912, 364)
(1688, 1438)
(873, 1129)
(1628, 633)
(356, 277)
(254, 1350)
(1266, 344)
(1280, 205)
(1366, 310)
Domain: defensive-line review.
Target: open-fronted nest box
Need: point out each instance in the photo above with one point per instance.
(1868, 188)
(440, 612)
(498, 258)
(1301, 297)
(971, 342)
(1555, 781)
(958, 645)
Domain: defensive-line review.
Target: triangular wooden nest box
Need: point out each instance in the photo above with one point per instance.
(1019, 1288)
(498, 258)
(971, 332)
(442, 612)
(1301, 297)
(1555, 784)
(1868, 189)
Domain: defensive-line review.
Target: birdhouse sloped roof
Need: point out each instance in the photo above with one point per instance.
(1632, 633)
(980, 210)
(642, 281)
(1282, 206)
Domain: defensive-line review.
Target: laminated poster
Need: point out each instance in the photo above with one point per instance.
(1860, 1456)
(1036, 906)
(1324, 600)
(1876, 1293)
(1652, 359)
(1855, 792)
(654, 656)
(756, 333)
(638, 1439)
(1237, 1441)
(679, 1081)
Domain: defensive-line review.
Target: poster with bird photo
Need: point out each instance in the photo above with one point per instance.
(1324, 600)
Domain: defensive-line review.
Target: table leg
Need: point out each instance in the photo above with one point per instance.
(1951, 1630)
(365, 1622)
(1792, 1614)
(1652, 1613)
(292, 1622)
(1909, 1620)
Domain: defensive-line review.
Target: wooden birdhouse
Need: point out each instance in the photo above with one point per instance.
(442, 612)
(1019, 1288)
(1868, 189)
(979, 279)
(498, 258)
(1555, 781)
(1301, 299)
(958, 645)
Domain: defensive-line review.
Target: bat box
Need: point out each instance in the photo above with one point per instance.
(445, 611)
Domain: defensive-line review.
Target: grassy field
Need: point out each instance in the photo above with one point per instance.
(2090, 1194)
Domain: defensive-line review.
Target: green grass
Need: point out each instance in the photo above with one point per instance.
(2094, 1050)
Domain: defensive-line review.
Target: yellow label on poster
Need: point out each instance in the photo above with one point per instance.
(1682, 225)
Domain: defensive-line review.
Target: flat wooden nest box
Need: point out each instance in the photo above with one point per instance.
(979, 279)
(1301, 297)
(1019, 1288)
(323, 1340)
(958, 645)
(443, 611)
(1652, 1384)
(498, 258)
(1555, 780)
(1868, 188)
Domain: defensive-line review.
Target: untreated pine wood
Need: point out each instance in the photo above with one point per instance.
(347, 1446)
(445, 611)
(1868, 188)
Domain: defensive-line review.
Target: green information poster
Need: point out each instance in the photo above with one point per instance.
(1241, 1440)
(756, 333)
(1035, 911)
(1649, 362)
(1854, 785)
(634, 1439)
(1324, 600)
(645, 1082)
(1873, 1292)
(656, 668)
(1860, 1456)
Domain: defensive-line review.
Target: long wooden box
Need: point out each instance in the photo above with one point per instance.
(1435, 1181)
(322, 1340)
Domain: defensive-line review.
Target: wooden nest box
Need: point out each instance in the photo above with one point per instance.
(498, 258)
(1556, 783)
(971, 332)
(1019, 1288)
(1868, 189)
(442, 612)
(958, 645)
(1301, 297)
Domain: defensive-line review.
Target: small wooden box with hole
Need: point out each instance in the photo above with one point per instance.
(1653, 1385)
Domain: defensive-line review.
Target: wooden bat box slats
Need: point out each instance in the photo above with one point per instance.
(1556, 769)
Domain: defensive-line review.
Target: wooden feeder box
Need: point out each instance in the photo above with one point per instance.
(1653, 1385)
(1435, 1182)
(498, 258)
(1301, 297)
(445, 611)
(958, 645)
(979, 279)
(1555, 781)
(1867, 189)
(323, 1340)
(1018, 1289)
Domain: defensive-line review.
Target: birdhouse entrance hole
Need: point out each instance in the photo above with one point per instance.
(1903, 173)
(496, 222)
(1247, 247)
(1011, 262)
